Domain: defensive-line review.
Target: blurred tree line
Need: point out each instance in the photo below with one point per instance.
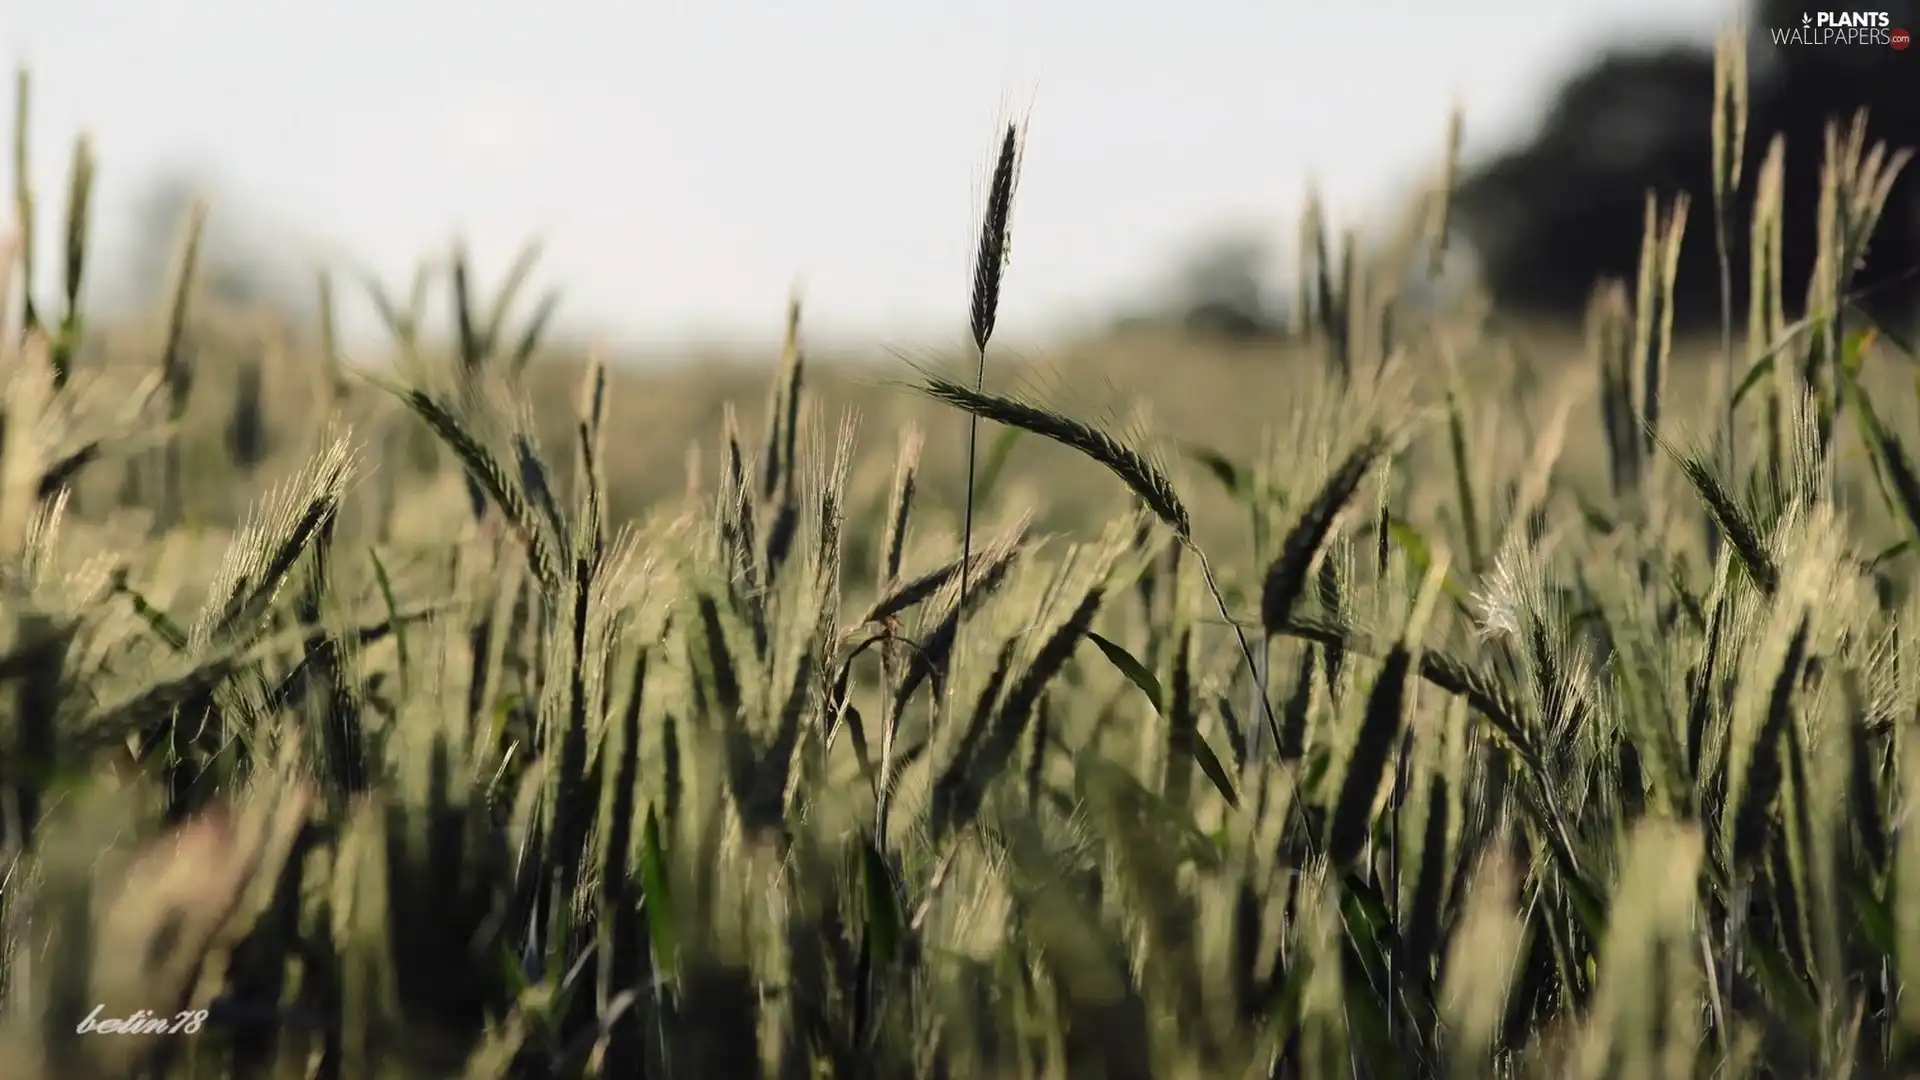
(245, 262)
(1548, 218)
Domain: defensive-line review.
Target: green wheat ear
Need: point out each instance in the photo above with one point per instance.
(990, 263)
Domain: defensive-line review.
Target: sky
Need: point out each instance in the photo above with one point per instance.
(688, 164)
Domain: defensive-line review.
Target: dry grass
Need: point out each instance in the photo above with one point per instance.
(1444, 699)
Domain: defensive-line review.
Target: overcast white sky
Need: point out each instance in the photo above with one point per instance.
(688, 160)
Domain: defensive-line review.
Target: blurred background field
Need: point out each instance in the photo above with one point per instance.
(1160, 266)
(1186, 397)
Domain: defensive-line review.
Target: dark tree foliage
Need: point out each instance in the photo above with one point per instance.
(1552, 217)
(242, 264)
(1223, 291)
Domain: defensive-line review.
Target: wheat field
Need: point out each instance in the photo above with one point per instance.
(1422, 697)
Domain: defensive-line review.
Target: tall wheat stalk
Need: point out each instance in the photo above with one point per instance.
(1729, 155)
(989, 264)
